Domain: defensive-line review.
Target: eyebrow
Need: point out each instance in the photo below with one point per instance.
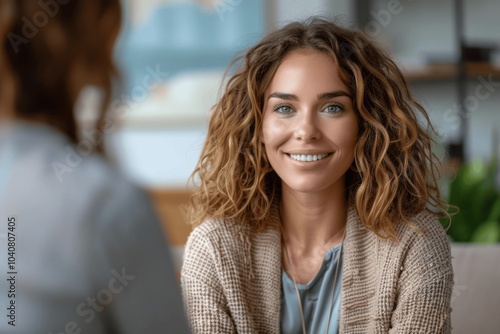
(322, 96)
(331, 95)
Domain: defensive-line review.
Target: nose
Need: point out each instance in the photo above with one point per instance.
(307, 129)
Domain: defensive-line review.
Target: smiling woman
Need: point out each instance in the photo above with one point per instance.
(309, 124)
(316, 208)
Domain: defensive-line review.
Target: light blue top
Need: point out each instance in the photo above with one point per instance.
(88, 251)
(316, 297)
(6, 159)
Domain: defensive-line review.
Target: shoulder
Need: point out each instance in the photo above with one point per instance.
(213, 226)
(424, 246)
(43, 153)
(48, 165)
(209, 252)
(224, 248)
(228, 236)
(213, 236)
(213, 231)
(424, 231)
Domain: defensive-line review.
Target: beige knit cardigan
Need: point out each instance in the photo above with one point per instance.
(231, 279)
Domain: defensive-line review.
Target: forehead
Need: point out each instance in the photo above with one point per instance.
(306, 70)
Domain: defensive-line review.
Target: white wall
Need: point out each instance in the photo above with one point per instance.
(159, 157)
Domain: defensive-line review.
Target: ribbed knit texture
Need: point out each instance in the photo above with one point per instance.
(231, 279)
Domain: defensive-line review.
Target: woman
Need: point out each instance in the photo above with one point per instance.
(87, 253)
(313, 204)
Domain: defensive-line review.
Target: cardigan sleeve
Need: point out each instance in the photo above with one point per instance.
(425, 284)
(205, 302)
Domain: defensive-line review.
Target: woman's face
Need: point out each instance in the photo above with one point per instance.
(309, 125)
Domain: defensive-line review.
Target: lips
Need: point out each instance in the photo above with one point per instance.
(308, 157)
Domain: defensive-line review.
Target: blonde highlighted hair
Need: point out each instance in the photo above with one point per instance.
(395, 172)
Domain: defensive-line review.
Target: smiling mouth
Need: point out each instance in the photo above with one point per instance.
(308, 157)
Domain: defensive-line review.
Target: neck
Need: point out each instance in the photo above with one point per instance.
(315, 218)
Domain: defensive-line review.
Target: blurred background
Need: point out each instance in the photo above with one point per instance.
(173, 53)
(189, 43)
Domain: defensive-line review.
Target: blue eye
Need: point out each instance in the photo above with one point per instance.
(283, 109)
(333, 109)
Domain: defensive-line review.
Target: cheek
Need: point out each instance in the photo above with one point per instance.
(266, 136)
(270, 144)
(347, 136)
(265, 126)
(351, 138)
(272, 131)
(351, 128)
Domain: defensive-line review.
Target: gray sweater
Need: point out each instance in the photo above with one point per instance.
(90, 255)
(231, 279)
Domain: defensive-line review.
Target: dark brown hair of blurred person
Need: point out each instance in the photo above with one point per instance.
(51, 50)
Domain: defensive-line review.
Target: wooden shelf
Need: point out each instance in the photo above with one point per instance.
(171, 206)
(449, 71)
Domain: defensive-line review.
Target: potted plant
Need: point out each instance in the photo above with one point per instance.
(474, 191)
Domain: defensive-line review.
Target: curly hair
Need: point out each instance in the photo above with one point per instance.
(395, 172)
(50, 50)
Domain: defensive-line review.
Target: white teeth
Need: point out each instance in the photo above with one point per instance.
(302, 157)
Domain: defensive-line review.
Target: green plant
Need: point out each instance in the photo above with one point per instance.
(475, 193)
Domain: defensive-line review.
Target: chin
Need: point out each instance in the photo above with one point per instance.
(312, 184)
(306, 186)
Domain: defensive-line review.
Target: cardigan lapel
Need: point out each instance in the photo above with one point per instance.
(359, 275)
(266, 250)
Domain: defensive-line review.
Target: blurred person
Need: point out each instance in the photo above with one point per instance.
(316, 200)
(81, 249)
